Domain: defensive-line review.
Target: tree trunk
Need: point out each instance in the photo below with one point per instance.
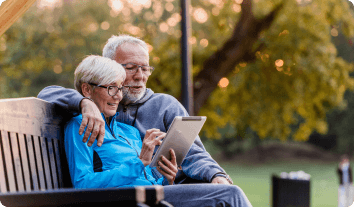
(235, 50)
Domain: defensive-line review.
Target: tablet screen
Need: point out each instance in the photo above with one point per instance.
(180, 137)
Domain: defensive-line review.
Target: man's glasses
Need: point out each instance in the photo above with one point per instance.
(132, 68)
(112, 90)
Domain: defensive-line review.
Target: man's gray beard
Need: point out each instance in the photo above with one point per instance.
(131, 98)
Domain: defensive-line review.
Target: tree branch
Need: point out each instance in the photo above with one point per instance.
(235, 50)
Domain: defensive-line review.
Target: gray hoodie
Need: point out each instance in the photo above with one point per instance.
(154, 110)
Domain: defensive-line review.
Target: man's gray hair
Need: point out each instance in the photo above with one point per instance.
(109, 50)
(98, 70)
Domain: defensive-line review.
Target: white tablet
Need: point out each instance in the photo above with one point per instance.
(180, 137)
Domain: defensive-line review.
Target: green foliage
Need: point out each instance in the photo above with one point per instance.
(297, 72)
(45, 46)
(340, 119)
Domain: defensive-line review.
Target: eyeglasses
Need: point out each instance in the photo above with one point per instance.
(132, 68)
(112, 90)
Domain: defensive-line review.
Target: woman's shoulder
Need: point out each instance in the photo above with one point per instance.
(74, 121)
(71, 129)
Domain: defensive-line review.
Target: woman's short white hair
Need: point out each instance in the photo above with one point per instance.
(109, 50)
(98, 70)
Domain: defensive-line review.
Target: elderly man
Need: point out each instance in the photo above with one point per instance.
(140, 107)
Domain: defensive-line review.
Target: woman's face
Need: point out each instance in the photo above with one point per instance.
(107, 104)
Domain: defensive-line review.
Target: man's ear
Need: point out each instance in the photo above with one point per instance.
(86, 90)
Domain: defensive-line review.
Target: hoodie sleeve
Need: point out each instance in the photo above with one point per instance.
(68, 99)
(198, 164)
(80, 162)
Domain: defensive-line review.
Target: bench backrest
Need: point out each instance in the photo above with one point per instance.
(30, 145)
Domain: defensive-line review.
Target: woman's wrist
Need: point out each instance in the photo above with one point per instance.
(145, 162)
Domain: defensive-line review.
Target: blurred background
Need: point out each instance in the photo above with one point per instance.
(286, 105)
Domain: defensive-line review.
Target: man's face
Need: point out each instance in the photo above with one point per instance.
(133, 53)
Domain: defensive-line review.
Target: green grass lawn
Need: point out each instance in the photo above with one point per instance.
(256, 181)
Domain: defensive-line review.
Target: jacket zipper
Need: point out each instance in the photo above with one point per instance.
(129, 145)
(110, 127)
(138, 157)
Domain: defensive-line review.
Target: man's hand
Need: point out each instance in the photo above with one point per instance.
(168, 168)
(220, 180)
(149, 143)
(92, 118)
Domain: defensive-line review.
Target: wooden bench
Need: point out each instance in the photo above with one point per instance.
(33, 168)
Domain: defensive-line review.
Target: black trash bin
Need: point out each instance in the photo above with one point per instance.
(290, 192)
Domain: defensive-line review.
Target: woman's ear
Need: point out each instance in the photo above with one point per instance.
(86, 90)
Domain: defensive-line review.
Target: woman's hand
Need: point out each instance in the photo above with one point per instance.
(168, 168)
(149, 143)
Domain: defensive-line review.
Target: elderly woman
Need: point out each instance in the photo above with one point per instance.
(123, 160)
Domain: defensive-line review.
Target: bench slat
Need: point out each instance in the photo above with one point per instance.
(58, 163)
(52, 164)
(17, 162)
(3, 187)
(32, 162)
(46, 163)
(8, 161)
(23, 152)
(39, 164)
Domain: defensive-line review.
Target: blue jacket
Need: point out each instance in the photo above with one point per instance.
(118, 157)
(154, 110)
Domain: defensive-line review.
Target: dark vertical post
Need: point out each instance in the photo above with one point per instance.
(186, 55)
